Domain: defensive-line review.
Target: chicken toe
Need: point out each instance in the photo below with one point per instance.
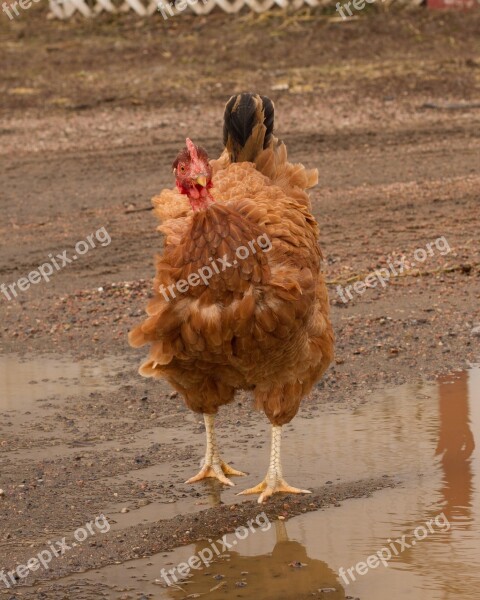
(266, 489)
(217, 469)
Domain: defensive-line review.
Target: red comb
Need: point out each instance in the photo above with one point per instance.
(192, 149)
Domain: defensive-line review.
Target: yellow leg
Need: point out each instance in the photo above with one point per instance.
(274, 482)
(213, 465)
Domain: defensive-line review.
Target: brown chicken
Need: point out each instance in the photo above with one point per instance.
(240, 302)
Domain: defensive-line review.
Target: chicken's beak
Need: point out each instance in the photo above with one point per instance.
(202, 180)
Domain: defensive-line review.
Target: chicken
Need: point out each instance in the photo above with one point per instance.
(239, 300)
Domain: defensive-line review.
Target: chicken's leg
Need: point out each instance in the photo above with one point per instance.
(274, 481)
(213, 465)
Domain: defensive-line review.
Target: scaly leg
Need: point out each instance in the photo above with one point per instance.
(274, 481)
(213, 465)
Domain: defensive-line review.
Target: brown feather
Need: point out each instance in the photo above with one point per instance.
(262, 324)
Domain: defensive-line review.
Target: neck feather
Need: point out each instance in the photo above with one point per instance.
(202, 201)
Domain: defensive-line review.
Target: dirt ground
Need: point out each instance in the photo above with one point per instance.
(92, 115)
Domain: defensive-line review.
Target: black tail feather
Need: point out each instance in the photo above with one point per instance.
(248, 126)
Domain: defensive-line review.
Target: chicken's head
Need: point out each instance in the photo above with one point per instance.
(193, 175)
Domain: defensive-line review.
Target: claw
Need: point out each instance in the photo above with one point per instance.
(267, 490)
(228, 470)
(217, 470)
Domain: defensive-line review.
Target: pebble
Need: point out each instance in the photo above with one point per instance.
(297, 564)
(125, 510)
(476, 330)
(280, 87)
(2, 493)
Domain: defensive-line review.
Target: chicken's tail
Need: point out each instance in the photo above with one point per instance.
(248, 126)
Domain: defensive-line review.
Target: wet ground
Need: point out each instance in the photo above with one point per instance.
(425, 524)
(92, 114)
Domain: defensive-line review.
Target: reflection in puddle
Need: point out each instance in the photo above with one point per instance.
(456, 444)
(24, 382)
(285, 571)
(425, 432)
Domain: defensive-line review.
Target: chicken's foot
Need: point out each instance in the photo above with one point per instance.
(274, 482)
(213, 465)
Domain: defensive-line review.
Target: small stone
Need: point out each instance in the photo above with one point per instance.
(143, 502)
(125, 510)
(2, 493)
(280, 87)
(476, 330)
(297, 564)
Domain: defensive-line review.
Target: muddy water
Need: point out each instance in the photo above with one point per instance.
(25, 382)
(428, 434)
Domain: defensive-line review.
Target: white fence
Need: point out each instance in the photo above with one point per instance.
(64, 9)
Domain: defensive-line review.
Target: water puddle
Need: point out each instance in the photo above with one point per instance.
(26, 384)
(430, 526)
